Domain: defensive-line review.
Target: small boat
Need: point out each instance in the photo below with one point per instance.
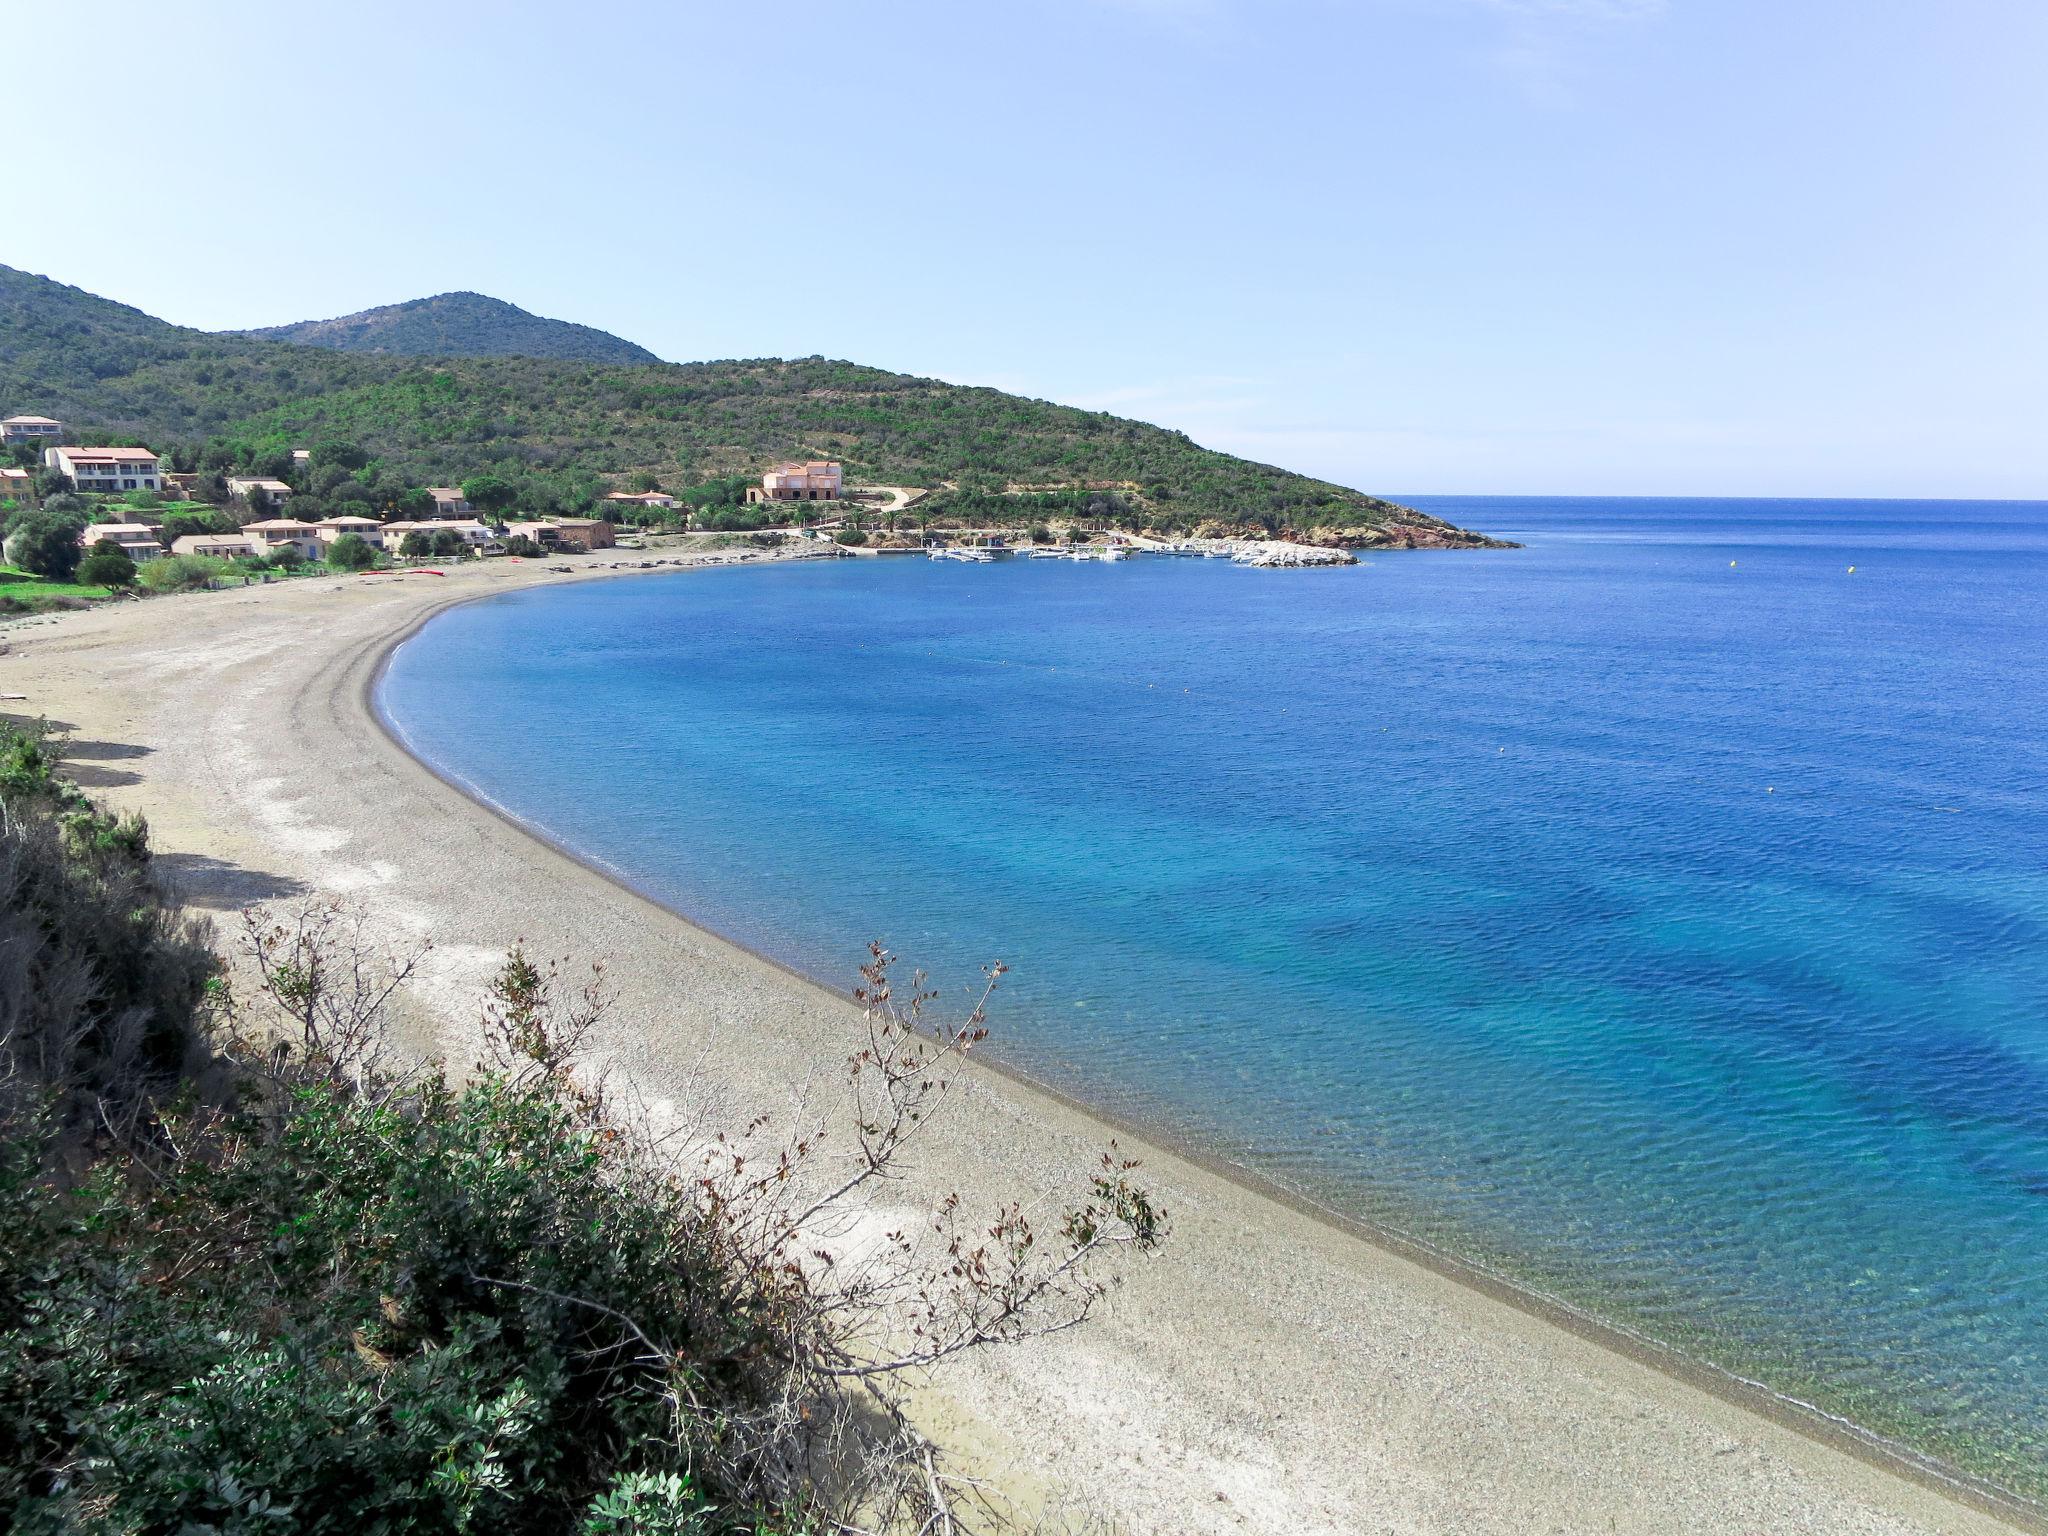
(965, 556)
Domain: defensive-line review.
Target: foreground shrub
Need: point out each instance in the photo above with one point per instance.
(288, 1288)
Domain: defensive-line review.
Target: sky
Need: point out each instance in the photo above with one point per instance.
(1634, 247)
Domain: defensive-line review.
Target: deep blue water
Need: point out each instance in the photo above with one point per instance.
(1657, 913)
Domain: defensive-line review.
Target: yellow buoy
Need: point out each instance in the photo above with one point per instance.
(1731, 565)
(1852, 570)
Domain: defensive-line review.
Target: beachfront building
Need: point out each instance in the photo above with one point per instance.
(449, 501)
(368, 529)
(818, 480)
(474, 533)
(217, 546)
(641, 499)
(240, 487)
(17, 485)
(30, 429)
(585, 533)
(568, 533)
(107, 469)
(279, 533)
(137, 540)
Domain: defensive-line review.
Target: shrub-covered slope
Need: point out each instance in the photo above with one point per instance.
(113, 371)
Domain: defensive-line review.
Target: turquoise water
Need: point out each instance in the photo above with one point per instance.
(1657, 914)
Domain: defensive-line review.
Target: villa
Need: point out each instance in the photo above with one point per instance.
(818, 480)
(568, 533)
(30, 429)
(276, 533)
(474, 533)
(217, 546)
(276, 490)
(641, 499)
(137, 540)
(17, 485)
(368, 529)
(449, 501)
(107, 469)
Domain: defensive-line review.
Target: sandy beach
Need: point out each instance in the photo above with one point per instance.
(1270, 1371)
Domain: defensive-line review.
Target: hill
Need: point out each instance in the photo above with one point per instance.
(458, 325)
(565, 431)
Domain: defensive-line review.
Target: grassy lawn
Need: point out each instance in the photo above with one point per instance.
(24, 588)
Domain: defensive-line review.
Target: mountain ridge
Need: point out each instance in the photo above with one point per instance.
(460, 323)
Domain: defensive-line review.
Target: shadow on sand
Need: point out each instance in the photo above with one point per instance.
(200, 881)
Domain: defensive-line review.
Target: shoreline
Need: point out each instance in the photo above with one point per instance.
(1807, 1418)
(342, 696)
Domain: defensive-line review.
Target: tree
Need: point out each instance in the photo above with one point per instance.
(287, 557)
(106, 564)
(524, 545)
(640, 480)
(180, 525)
(338, 453)
(489, 493)
(45, 543)
(351, 552)
(52, 482)
(415, 544)
(183, 525)
(259, 503)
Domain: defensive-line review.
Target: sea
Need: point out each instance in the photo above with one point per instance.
(1654, 916)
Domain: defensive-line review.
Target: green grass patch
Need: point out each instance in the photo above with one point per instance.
(22, 587)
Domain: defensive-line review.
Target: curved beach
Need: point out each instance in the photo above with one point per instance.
(1270, 1370)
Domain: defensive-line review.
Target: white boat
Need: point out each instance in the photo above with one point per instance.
(966, 556)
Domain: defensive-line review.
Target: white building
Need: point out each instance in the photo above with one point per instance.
(218, 546)
(240, 487)
(368, 529)
(107, 469)
(276, 533)
(138, 540)
(474, 533)
(30, 429)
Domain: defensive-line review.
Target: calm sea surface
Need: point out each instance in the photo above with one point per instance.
(1657, 914)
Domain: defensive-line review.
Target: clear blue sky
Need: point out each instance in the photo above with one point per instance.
(1631, 246)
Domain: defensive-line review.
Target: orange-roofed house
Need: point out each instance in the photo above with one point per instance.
(137, 540)
(30, 429)
(818, 480)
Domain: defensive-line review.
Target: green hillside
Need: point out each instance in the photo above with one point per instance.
(459, 325)
(565, 431)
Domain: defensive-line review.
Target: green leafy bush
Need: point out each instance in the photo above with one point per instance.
(183, 573)
(351, 552)
(45, 542)
(106, 564)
